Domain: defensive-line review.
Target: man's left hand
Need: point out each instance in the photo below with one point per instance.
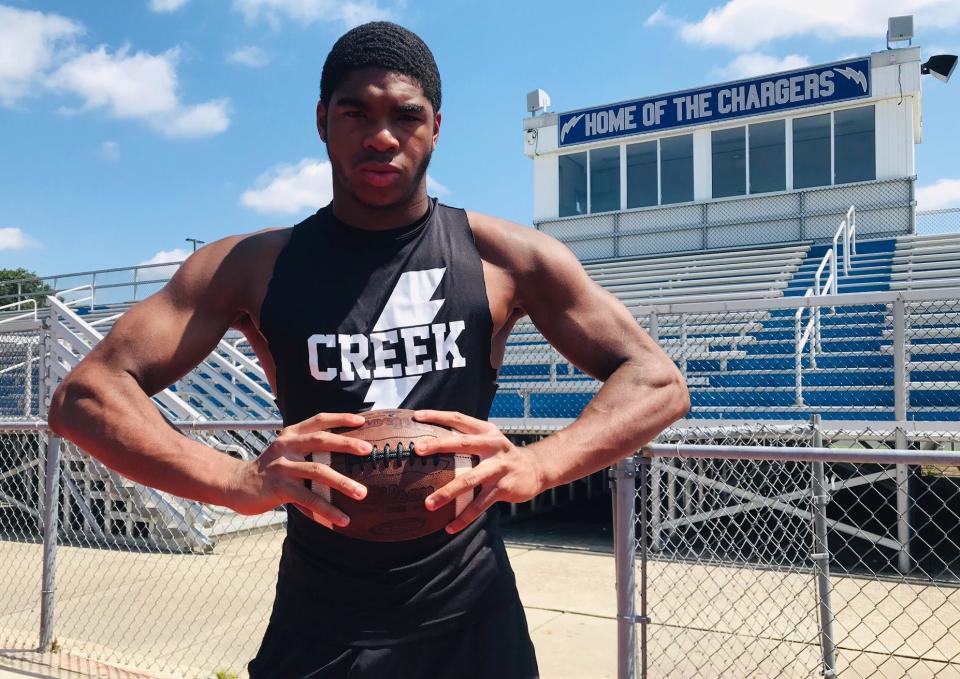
(505, 472)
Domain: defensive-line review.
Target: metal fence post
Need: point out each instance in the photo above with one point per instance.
(654, 469)
(50, 491)
(900, 403)
(820, 556)
(51, 487)
(625, 550)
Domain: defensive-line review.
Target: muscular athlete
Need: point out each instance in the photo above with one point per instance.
(313, 302)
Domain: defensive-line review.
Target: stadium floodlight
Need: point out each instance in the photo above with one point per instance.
(940, 66)
(537, 101)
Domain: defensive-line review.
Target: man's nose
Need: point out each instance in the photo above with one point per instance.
(382, 140)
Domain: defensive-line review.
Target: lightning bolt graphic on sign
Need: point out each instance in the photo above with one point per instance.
(409, 305)
(854, 75)
(569, 125)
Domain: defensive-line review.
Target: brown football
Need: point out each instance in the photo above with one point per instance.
(397, 479)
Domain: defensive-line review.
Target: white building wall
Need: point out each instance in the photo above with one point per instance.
(702, 165)
(546, 187)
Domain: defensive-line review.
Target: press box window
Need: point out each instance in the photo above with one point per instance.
(729, 162)
(605, 179)
(811, 151)
(642, 190)
(676, 169)
(768, 157)
(573, 184)
(854, 145)
(854, 148)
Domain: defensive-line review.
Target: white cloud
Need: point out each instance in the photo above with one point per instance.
(138, 86)
(176, 255)
(251, 56)
(660, 17)
(199, 120)
(15, 239)
(164, 6)
(744, 24)
(436, 188)
(29, 43)
(757, 63)
(941, 194)
(308, 185)
(349, 12)
(289, 189)
(110, 150)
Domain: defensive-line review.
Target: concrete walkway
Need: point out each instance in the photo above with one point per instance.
(175, 616)
(569, 599)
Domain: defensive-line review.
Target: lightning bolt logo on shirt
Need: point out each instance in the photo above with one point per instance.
(407, 321)
(409, 305)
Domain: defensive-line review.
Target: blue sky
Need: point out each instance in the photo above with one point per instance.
(126, 127)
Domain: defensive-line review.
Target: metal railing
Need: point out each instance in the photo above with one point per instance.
(136, 279)
(847, 230)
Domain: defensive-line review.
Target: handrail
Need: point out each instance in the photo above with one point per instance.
(831, 287)
(88, 298)
(847, 230)
(21, 316)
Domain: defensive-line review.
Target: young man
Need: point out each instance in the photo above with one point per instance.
(384, 298)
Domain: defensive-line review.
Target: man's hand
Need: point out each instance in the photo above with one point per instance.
(505, 472)
(276, 477)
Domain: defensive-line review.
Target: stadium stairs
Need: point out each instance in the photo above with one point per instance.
(852, 378)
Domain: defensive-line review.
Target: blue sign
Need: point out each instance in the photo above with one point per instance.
(793, 89)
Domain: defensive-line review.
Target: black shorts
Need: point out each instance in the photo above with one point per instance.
(496, 646)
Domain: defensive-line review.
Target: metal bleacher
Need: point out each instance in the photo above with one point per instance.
(536, 382)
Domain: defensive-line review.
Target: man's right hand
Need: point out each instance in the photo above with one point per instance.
(276, 477)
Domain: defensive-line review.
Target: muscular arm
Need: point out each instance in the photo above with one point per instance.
(643, 392)
(104, 403)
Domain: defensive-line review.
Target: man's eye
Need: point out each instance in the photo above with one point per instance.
(410, 118)
(353, 114)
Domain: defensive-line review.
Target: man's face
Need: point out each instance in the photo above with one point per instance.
(380, 131)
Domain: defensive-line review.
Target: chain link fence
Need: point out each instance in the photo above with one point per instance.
(132, 578)
(937, 222)
(884, 210)
(874, 357)
(757, 562)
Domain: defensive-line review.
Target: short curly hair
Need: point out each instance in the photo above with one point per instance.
(381, 44)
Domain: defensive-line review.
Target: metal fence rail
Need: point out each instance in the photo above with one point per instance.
(771, 554)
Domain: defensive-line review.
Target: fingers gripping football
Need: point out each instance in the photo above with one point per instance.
(277, 476)
(505, 473)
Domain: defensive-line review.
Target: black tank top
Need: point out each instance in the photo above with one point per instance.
(359, 320)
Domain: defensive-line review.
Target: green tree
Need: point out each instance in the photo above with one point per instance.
(26, 284)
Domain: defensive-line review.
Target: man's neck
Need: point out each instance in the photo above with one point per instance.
(360, 216)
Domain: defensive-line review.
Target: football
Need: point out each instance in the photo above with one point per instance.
(397, 479)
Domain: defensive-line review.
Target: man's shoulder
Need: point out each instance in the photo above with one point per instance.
(256, 246)
(231, 269)
(509, 244)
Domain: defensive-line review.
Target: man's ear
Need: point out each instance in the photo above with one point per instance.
(322, 121)
(436, 129)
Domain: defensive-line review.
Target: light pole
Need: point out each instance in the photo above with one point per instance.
(195, 242)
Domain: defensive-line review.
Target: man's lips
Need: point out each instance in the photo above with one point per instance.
(379, 174)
